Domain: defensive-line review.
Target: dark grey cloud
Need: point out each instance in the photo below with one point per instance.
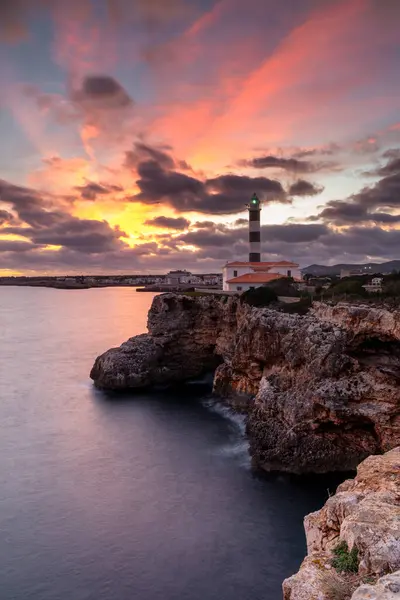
(207, 224)
(177, 189)
(391, 153)
(305, 244)
(294, 165)
(6, 218)
(392, 167)
(15, 246)
(226, 194)
(45, 224)
(218, 235)
(143, 152)
(242, 184)
(328, 150)
(102, 91)
(305, 188)
(91, 190)
(374, 203)
(178, 223)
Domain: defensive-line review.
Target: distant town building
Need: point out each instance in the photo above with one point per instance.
(374, 286)
(177, 277)
(351, 273)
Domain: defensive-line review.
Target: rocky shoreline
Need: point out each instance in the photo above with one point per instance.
(365, 515)
(321, 391)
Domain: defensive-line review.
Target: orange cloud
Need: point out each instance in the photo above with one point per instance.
(294, 91)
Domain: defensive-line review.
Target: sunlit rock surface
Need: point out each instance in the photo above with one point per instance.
(387, 588)
(365, 513)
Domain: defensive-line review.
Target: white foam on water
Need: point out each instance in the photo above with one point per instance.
(237, 447)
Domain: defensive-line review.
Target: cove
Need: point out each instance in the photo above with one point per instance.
(148, 496)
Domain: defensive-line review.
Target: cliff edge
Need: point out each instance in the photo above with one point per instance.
(179, 345)
(362, 520)
(322, 390)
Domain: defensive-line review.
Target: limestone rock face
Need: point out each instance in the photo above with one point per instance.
(360, 320)
(180, 345)
(308, 584)
(364, 512)
(325, 388)
(387, 588)
(321, 390)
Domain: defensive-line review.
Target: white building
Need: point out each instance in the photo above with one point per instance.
(241, 276)
(374, 286)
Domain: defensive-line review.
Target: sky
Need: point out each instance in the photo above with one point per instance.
(134, 132)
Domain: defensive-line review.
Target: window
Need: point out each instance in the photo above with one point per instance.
(235, 273)
(239, 288)
(289, 273)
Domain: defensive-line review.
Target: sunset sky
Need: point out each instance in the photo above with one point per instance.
(133, 132)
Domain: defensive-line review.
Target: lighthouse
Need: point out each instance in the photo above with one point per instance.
(254, 209)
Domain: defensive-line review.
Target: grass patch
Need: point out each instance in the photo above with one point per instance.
(336, 588)
(345, 561)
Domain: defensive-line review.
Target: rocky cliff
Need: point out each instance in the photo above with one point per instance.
(322, 390)
(365, 514)
(179, 345)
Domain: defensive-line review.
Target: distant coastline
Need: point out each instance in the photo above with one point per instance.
(141, 284)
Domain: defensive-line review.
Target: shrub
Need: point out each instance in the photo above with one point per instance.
(299, 308)
(350, 286)
(261, 296)
(284, 287)
(345, 560)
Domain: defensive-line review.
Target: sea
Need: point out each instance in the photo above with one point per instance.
(141, 496)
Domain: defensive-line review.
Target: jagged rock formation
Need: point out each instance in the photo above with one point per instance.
(326, 396)
(364, 512)
(179, 346)
(323, 389)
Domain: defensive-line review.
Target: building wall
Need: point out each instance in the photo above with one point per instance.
(241, 287)
(229, 273)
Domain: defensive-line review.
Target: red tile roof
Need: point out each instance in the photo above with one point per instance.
(256, 278)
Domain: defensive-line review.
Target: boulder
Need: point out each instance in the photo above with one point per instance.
(179, 346)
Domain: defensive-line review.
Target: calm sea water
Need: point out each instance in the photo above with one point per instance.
(145, 497)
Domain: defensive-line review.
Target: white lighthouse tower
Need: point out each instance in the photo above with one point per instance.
(254, 209)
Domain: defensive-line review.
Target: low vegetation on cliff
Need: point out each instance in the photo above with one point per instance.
(357, 533)
(345, 560)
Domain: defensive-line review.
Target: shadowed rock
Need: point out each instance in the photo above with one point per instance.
(179, 346)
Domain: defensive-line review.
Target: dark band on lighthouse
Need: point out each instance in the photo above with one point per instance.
(254, 229)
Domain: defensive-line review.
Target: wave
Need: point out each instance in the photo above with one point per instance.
(237, 447)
